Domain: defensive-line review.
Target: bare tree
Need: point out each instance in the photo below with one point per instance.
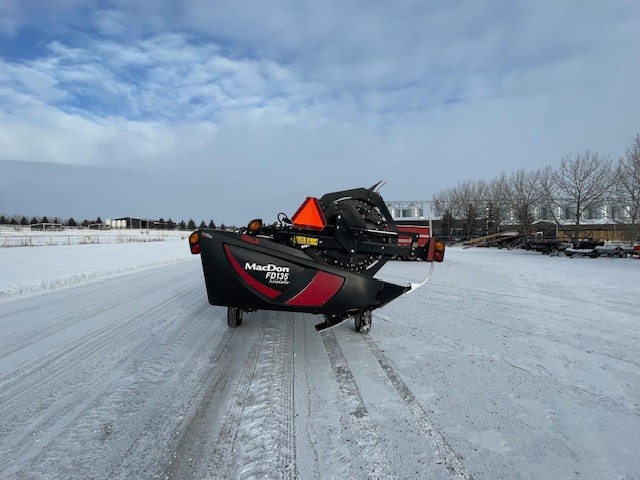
(523, 192)
(496, 204)
(470, 198)
(583, 181)
(445, 205)
(550, 192)
(628, 184)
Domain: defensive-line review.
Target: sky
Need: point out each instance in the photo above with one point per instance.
(231, 110)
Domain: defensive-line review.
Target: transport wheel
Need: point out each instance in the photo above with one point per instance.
(234, 317)
(363, 322)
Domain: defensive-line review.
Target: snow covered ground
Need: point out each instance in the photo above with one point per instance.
(507, 364)
(19, 236)
(26, 270)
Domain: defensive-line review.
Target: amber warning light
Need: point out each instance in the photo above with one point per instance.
(436, 250)
(194, 242)
(309, 215)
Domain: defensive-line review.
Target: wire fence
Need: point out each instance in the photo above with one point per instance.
(25, 237)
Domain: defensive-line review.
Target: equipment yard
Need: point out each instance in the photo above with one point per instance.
(505, 365)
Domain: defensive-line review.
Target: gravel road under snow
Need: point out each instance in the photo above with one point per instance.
(506, 365)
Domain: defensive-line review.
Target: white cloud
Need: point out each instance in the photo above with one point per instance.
(166, 77)
(421, 94)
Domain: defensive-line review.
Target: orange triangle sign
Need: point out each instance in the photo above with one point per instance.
(309, 215)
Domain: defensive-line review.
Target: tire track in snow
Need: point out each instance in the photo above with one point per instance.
(131, 412)
(266, 440)
(73, 387)
(63, 363)
(357, 419)
(225, 443)
(444, 452)
(257, 434)
(68, 370)
(180, 436)
(38, 329)
(188, 453)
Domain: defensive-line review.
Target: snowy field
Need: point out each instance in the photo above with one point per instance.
(25, 270)
(506, 365)
(14, 236)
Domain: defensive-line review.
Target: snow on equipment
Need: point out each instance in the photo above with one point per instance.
(321, 261)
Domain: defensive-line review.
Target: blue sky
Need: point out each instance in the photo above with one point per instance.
(234, 110)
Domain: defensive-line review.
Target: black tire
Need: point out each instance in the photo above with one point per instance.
(234, 317)
(363, 322)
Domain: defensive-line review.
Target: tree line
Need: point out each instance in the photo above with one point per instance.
(579, 183)
(169, 224)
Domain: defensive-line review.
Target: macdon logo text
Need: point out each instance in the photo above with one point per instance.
(270, 267)
(274, 274)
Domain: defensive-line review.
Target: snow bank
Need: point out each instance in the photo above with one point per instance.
(29, 270)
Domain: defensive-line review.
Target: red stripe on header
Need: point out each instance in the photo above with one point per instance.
(252, 282)
(322, 287)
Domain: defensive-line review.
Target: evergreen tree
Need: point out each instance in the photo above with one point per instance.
(202, 224)
(191, 225)
(98, 220)
(223, 226)
(3, 220)
(85, 223)
(182, 225)
(171, 225)
(212, 225)
(72, 223)
(24, 221)
(34, 220)
(45, 220)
